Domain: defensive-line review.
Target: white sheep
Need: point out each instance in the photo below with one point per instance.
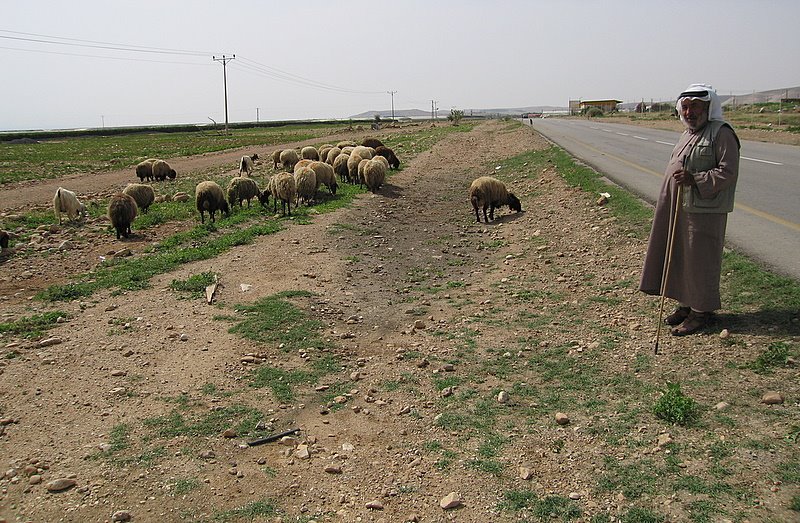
(122, 211)
(325, 175)
(144, 170)
(340, 167)
(208, 196)
(374, 173)
(365, 152)
(67, 202)
(247, 164)
(305, 162)
(288, 158)
(142, 193)
(323, 151)
(285, 190)
(333, 152)
(241, 188)
(309, 152)
(346, 143)
(352, 167)
(305, 180)
(488, 192)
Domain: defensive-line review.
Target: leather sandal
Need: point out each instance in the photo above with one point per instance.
(694, 322)
(677, 316)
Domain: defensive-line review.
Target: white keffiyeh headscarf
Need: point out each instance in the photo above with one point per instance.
(705, 93)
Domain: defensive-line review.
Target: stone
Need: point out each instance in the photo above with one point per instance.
(561, 418)
(722, 405)
(61, 484)
(121, 515)
(525, 473)
(575, 496)
(375, 505)
(419, 325)
(50, 341)
(451, 500)
(118, 372)
(772, 398)
(502, 397)
(230, 433)
(724, 334)
(664, 439)
(302, 452)
(333, 469)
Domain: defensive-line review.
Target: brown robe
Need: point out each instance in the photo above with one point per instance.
(696, 262)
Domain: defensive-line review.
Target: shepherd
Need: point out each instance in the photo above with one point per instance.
(704, 168)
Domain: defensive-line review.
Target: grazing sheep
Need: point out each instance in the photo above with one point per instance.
(208, 196)
(276, 159)
(360, 172)
(346, 143)
(285, 189)
(384, 161)
(4, 237)
(247, 164)
(394, 161)
(348, 149)
(488, 192)
(122, 211)
(242, 188)
(333, 153)
(144, 170)
(305, 180)
(352, 167)
(288, 158)
(323, 152)
(309, 153)
(325, 175)
(305, 162)
(374, 174)
(372, 142)
(340, 167)
(364, 152)
(142, 193)
(162, 171)
(66, 201)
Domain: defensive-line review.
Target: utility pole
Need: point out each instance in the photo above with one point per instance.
(224, 61)
(392, 93)
(431, 110)
(103, 121)
(257, 114)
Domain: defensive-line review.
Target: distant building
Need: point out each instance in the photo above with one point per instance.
(607, 106)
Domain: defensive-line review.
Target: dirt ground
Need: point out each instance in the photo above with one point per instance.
(124, 358)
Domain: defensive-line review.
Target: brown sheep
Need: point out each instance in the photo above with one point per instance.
(122, 210)
(488, 192)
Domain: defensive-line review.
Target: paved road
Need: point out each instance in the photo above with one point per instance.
(765, 224)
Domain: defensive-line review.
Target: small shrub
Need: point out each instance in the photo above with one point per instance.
(675, 407)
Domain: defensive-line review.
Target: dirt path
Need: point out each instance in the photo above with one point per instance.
(425, 310)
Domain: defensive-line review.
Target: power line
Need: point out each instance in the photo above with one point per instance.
(97, 44)
(274, 72)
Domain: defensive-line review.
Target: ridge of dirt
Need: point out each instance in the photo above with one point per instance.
(489, 298)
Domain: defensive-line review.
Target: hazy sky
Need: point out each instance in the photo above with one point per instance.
(334, 59)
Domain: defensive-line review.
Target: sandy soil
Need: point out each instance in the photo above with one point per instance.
(127, 358)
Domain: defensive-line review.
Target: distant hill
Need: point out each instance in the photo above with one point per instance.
(773, 95)
(442, 113)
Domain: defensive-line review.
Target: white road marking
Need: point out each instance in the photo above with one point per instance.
(665, 143)
(623, 134)
(641, 138)
(762, 161)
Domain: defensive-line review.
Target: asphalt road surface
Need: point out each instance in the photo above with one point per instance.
(765, 225)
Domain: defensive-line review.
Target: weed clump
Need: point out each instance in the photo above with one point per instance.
(675, 407)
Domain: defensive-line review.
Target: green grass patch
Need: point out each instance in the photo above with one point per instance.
(254, 511)
(789, 472)
(275, 320)
(774, 356)
(747, 287)
(194, 286)
(551, 508)
(184, 486)
(641, 515)
(32, 326)
(239, 417)
(675, 407)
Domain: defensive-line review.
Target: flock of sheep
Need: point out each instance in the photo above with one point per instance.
(304, 171)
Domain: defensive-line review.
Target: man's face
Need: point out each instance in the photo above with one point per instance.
(694, 113)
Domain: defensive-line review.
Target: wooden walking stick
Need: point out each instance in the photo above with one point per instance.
(668, 261)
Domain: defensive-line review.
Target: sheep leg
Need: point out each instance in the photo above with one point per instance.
(485, 219)
(491, 212)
